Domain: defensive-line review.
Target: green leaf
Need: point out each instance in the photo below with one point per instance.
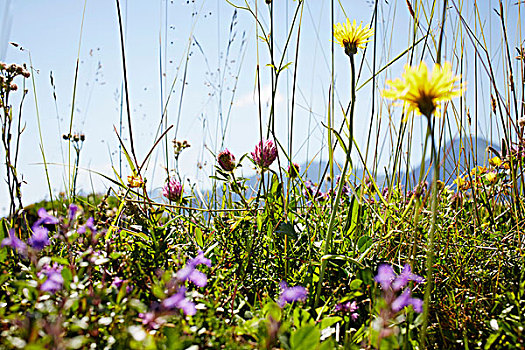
(287, 229)
(355, 284)
(364, 243)
(305, 338)
(329, 321)
(198, 237)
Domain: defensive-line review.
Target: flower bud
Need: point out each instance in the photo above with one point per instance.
(226, 160)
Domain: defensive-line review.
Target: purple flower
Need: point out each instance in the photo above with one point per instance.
(45, 218)
(291, 294)
(405, 300)
(190, 272)
(117, 282)
(90, 224)
(405, 276)
(54, 281)
(385, 276)
(39, 239)
(179, 301)
(348, 307)
(14, 242)
(265, 153)
(226, 160)
(172, 190)
(293, 170)
(73, 208)
(150, 320)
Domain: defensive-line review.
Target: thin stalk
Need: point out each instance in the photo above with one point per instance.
(430, 238)
(335, 203)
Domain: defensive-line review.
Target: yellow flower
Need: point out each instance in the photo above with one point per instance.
(351, 37)
(491, 177)
(135, 181)
(478, 170)
(495, 162)
(422, 92)
(462, 183)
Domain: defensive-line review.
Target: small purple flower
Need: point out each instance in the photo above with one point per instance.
(405, 300)
(179, 301)
(291, 294)
(90, 224)
(150, 320)
(348, 307)
(73, 208)
(172, 190)
(117, 282)
(226, 160)
(405, 276)
(293, 170)
(265, 153)
(385, 276)
(190, 272)
(45, 218)
(54, 281)
(14, 242)
(39, 239)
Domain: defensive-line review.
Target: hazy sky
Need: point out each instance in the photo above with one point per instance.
(161, 34)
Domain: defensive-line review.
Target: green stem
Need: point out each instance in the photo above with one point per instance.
(335, 204)
(430, 238)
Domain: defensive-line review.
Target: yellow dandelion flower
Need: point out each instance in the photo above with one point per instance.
(135, 181)
(462, 183)
(351, 37)
(422, 92)
(491, 177)
(495, 162)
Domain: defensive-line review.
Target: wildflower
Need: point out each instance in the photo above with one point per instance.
(423, 92)
(90, 224)
(392, 283)
(45, 218)
(73, 208)
(14, 242)
(348, 307)
(150, 320)
(226, 160)
(478, 170)
(293, 170)
(172, 190)
(495, 161)
(178, 300)
(291, 294)
(190, 272)
(491, 177)
(351, 37)
(117, 282)
(135, 181)
(405, 300)
(385, 276)
(462, 183)
(265, 153)
(39, 239)
(405, 276)
(54, 281)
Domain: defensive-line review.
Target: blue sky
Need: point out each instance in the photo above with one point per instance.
(157, 34)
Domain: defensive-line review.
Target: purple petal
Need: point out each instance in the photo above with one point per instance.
(14, 242)
(291, 294)
(188, 307)
(184, 273)
(39, 239)
(385, 276)
(73, 208)
(405, 276)
(200, 260)
(45, 218)
(198, 278)
(401, 301)
(173, 301)
(417, 304)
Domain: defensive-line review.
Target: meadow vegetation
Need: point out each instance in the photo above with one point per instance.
(432, 259)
